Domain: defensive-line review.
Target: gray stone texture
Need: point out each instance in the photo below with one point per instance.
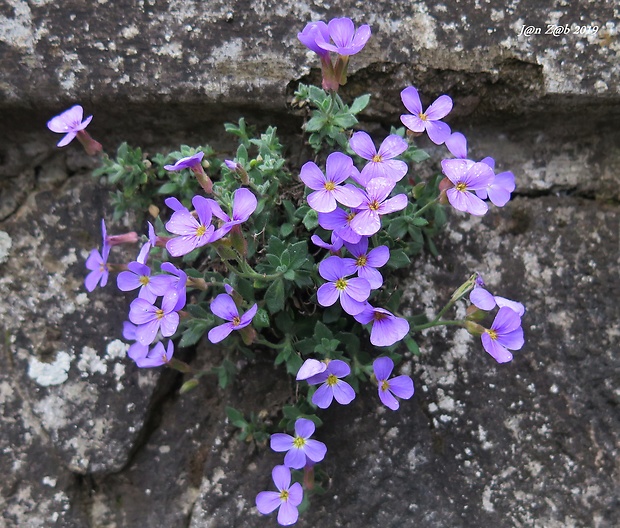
(88, 440)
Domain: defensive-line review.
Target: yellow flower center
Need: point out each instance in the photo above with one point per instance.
(492, 334)
(341, 284)
(144, 280)
(422, 116)
(461, 186)
(236, 320)
(377, 158)
(284, 495)
(361, 261)
(159, 313)
(299, 442)
(329, 186)
(350, 217)
(331, 380)
(201, 230)
(374, 205)
(385, 385)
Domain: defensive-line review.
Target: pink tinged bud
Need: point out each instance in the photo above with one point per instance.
(126, 238)
(92, 147)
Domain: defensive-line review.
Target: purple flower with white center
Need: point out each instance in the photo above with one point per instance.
(334, 247)
(194, 233)
(366, 262)
(339, 221)
(244, 204)
(98, 264)
(485, 300)
(327, 190)
(381, 164)
(186, 163)
(419, 121)
(300, 446)
(157, 356)
(287, 498)
(310, 367)
(150, 319)
(224, 307)
(351, 292)
(176, 286)
(136, 350)
(375, 204)
(346, 39)
(333, 386)
(69, 123)
(401, 386)
(313, 33)
(467, 176)
(505, 334)
(387, 329)
(139, 276)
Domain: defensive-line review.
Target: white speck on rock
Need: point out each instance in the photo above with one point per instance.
(90, 362)
(5, 246)
(49, 481)
(116, 349)
(54, 373)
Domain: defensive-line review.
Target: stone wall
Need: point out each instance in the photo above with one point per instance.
(89, 440)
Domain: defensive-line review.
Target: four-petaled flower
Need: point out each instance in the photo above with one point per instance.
(346, 39)
(467, 176)
(505, 333)
(375, 204)
(139, 276)
(333, 386)
(351, 292)
(366, 262)
(380, 163)
(339, 221)
(98, 264)
(300, 446)
(156, 356)
(401, 386)
(69, 123)
(287, 498)
(244, 204)
(224, 306)
(482, 298)
(313, 33)
(387, 329)
(326, 187)
(150, 318)
(186, 163)
(193, 232)
(419, 121)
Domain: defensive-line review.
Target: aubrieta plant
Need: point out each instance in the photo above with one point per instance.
(258, 256)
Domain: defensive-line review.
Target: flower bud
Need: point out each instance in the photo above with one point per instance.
(474, 328)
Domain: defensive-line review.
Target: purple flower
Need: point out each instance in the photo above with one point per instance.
(485, 300)
(300, 446)
(351, 292)
(194, 232)
(98, 264)
(174, 203)
(157, 356)
(457, 145)
(339, 221)
(333, 386)
(311, 367)
(244, 204)
(381, 164)
(437, 130)
(186, 163)
(313, 33)
(139, 276)
(401, 386)
(176, 285)
(499, 190)
(375, 204)
(367, 262)
(145, 250)
(387, 329)
(223, 306)
(334, 247)
(287, 498)
(136, 350)
(346, 40)
(150, 318)
(505, 333)
(467, 176)
(69, 123)
(327, 190)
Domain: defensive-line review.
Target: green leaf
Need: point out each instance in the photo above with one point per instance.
(419, 222)
(315, 124)
(360, 103)
(261, 319)
(321, 331)
(344, 121)
(311, 220)
(196, 329)
(412, 346)
(274, 296)
(236, 418)
(398, 259)
(286, 229)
